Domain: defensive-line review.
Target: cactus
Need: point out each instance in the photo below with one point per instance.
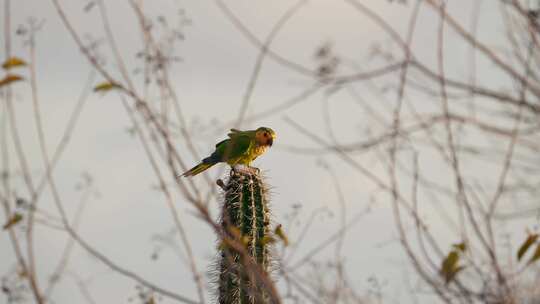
(245, 218)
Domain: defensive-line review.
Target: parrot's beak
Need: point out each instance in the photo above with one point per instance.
(270, 141)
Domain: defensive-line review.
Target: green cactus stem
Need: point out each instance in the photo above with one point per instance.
(245, 217)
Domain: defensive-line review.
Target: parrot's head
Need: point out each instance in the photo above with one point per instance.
(265, 136)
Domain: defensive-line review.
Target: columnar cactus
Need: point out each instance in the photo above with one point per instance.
(245, 218)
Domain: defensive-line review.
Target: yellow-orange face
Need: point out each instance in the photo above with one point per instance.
(265, 136)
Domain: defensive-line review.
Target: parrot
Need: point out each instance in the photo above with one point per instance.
(241, 148)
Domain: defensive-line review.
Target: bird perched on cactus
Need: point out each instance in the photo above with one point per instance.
(241, 148)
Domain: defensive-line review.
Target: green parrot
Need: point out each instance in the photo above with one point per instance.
(242, 147)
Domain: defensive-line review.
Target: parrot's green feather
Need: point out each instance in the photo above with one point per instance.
(221, 142)
(231, 149)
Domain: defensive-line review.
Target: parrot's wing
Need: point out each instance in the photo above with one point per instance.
(221, 142)
(234, 147)
(235, 133)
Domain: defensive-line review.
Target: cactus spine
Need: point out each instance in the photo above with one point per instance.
(245, 217)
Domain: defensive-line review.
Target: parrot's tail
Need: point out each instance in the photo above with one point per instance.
(198, 169)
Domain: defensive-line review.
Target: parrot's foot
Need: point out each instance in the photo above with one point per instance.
(246, 169)
(221, 184)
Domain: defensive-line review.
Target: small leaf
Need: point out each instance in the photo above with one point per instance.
(453, 274)
(450, 261)
(13, 62)
(235, 232)
(535, 256)
(245, 239)
(460, 246)
(267, 240)
(105, 86)
(449, 265)
(279, 232)
(15, 218)
(9, 79)
(526, 245)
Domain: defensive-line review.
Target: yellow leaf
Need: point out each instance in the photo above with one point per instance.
(15, 218)
(13, 62)
(535, 256)
(235, 232)
(526, 245)
(453, 274)
(105, 86)
(460, 246)
(449, 265)
(245, 239)
(9, 79)
(279, 232)
(267, 240)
